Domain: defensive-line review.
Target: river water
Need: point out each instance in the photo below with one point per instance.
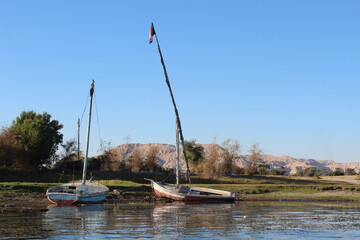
(243, 220)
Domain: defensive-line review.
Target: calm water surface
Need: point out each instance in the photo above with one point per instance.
(178, 221)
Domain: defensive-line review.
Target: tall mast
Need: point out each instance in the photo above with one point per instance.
(177, 166)
(178, 123)
(78, 140)
(88, 133)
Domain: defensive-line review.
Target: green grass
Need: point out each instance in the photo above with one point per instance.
(281, 188)
(243, 179)
(121, 183)
(40, 188)
(127, 187)
(24, 187)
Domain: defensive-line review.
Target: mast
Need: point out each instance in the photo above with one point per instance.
(177, 166)
(88, 134)
(178, 122)
(78, 140)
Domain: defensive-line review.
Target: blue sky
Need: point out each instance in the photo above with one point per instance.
(284, 74)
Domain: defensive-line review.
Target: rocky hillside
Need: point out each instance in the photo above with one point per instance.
(166, 158)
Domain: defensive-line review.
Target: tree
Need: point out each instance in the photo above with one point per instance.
(109, 159)
(135, 160)
(232, 150)
(209, 166)
(68, 154)
(12, 153)
(263, 168)
(39, 135)
(150, 161)
(280, 171)
(69, 149)
(195, 153)
(337, 172)
(350, 171)
(254, 159)
(94, 163)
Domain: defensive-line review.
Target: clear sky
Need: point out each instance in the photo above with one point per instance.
(284, 74)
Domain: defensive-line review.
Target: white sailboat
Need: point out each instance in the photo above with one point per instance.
(176, 191)
(179, 192)
(85, 191)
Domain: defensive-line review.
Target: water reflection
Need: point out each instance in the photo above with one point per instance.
(140, 221)
(20, 225)
(74, 219)
(299, 217)
(258, 220)
(181, 221)
(194, 220)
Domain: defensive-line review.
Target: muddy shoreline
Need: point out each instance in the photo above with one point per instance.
(30, 196)
(38, 202)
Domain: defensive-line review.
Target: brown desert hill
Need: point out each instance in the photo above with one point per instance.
(165, 153)
(166, 158)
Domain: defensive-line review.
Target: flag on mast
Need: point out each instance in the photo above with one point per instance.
(152, 33)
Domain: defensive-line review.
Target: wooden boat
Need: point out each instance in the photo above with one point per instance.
(190, 194)
(85, 191)
(74, 193)
(176, 191)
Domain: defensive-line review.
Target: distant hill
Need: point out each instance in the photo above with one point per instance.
(166, 158)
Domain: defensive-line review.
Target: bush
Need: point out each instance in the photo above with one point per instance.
(350, 171)
(309, 172)
(280, 171)
(12, 152)
(337, 172)
(94, 163)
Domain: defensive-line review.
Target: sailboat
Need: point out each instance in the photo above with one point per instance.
(85, 191)
(176, 191)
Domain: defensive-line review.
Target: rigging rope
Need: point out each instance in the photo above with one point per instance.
(170, 171)
(86, 103)
(97, 119)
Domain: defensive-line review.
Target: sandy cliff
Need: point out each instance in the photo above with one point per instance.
(166, 158)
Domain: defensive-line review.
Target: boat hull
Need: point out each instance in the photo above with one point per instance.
(62, 198)
(77, 193)
(191, 194)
